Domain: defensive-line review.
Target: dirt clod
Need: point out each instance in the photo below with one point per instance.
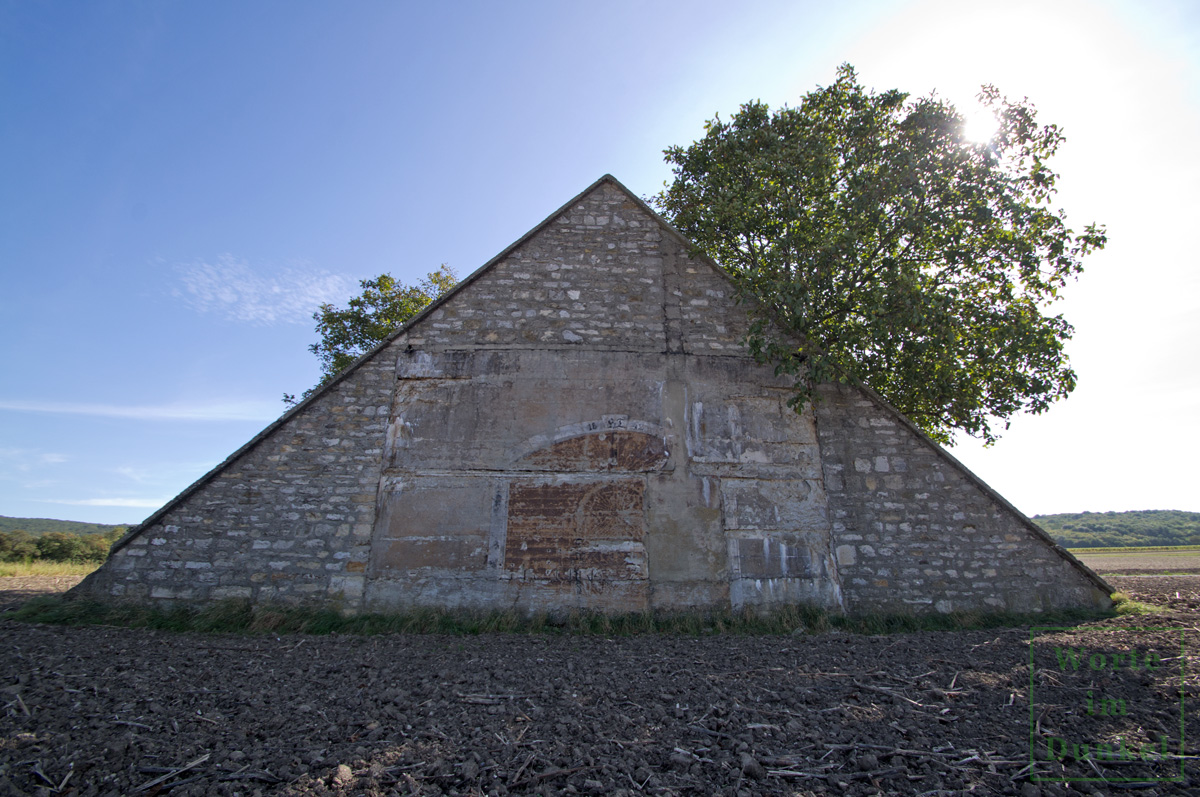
(751, 768)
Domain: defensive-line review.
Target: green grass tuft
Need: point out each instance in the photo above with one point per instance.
(1123, 604)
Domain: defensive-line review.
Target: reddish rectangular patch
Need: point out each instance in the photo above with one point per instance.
(577, 530)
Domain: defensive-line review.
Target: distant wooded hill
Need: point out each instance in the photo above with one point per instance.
(1121, 529)
(37, 526)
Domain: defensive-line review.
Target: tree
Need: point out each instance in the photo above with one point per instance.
(58, 546)
(383, 307)
(17, 545)
(871, 239)
(95, 547)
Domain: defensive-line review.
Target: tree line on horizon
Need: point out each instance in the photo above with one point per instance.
(47, 540)
(41, 525)
(56, 546)
(1155, 527)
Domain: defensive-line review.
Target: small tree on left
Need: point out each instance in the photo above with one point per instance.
(384, 305)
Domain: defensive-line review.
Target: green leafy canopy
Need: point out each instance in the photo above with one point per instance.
(384, 305)
(871, 238)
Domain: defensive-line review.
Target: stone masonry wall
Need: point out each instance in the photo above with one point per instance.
(592, 277)
(604, 275)
(287, 520)
(579, 426)
(914, 532)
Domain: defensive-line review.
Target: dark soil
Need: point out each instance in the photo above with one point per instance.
(98, 710)
(16, 590)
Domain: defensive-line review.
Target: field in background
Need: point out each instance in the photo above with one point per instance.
(39, 567)
(1159, 559)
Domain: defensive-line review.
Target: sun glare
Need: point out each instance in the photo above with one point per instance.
(980, 127)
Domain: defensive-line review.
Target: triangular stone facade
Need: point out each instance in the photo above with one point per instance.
(578, 426)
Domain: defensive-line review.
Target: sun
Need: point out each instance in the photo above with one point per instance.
(980, 126)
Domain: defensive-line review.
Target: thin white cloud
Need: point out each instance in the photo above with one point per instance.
(232, 288)
(135, 474)
(140, 503)
(24, 460)
(216, 411)
(168, 473)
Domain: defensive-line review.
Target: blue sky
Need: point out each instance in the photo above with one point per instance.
(181, 184)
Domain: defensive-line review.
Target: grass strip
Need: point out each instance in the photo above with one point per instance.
(1136, 549)
(239, 616)
(42, 567)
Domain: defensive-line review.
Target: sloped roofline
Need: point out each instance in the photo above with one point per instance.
(983, 486)
(904, 420)
(134, 531)
(268, 430)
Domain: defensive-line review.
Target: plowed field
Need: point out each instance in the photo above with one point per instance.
(1131, 562)
(112, 711)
